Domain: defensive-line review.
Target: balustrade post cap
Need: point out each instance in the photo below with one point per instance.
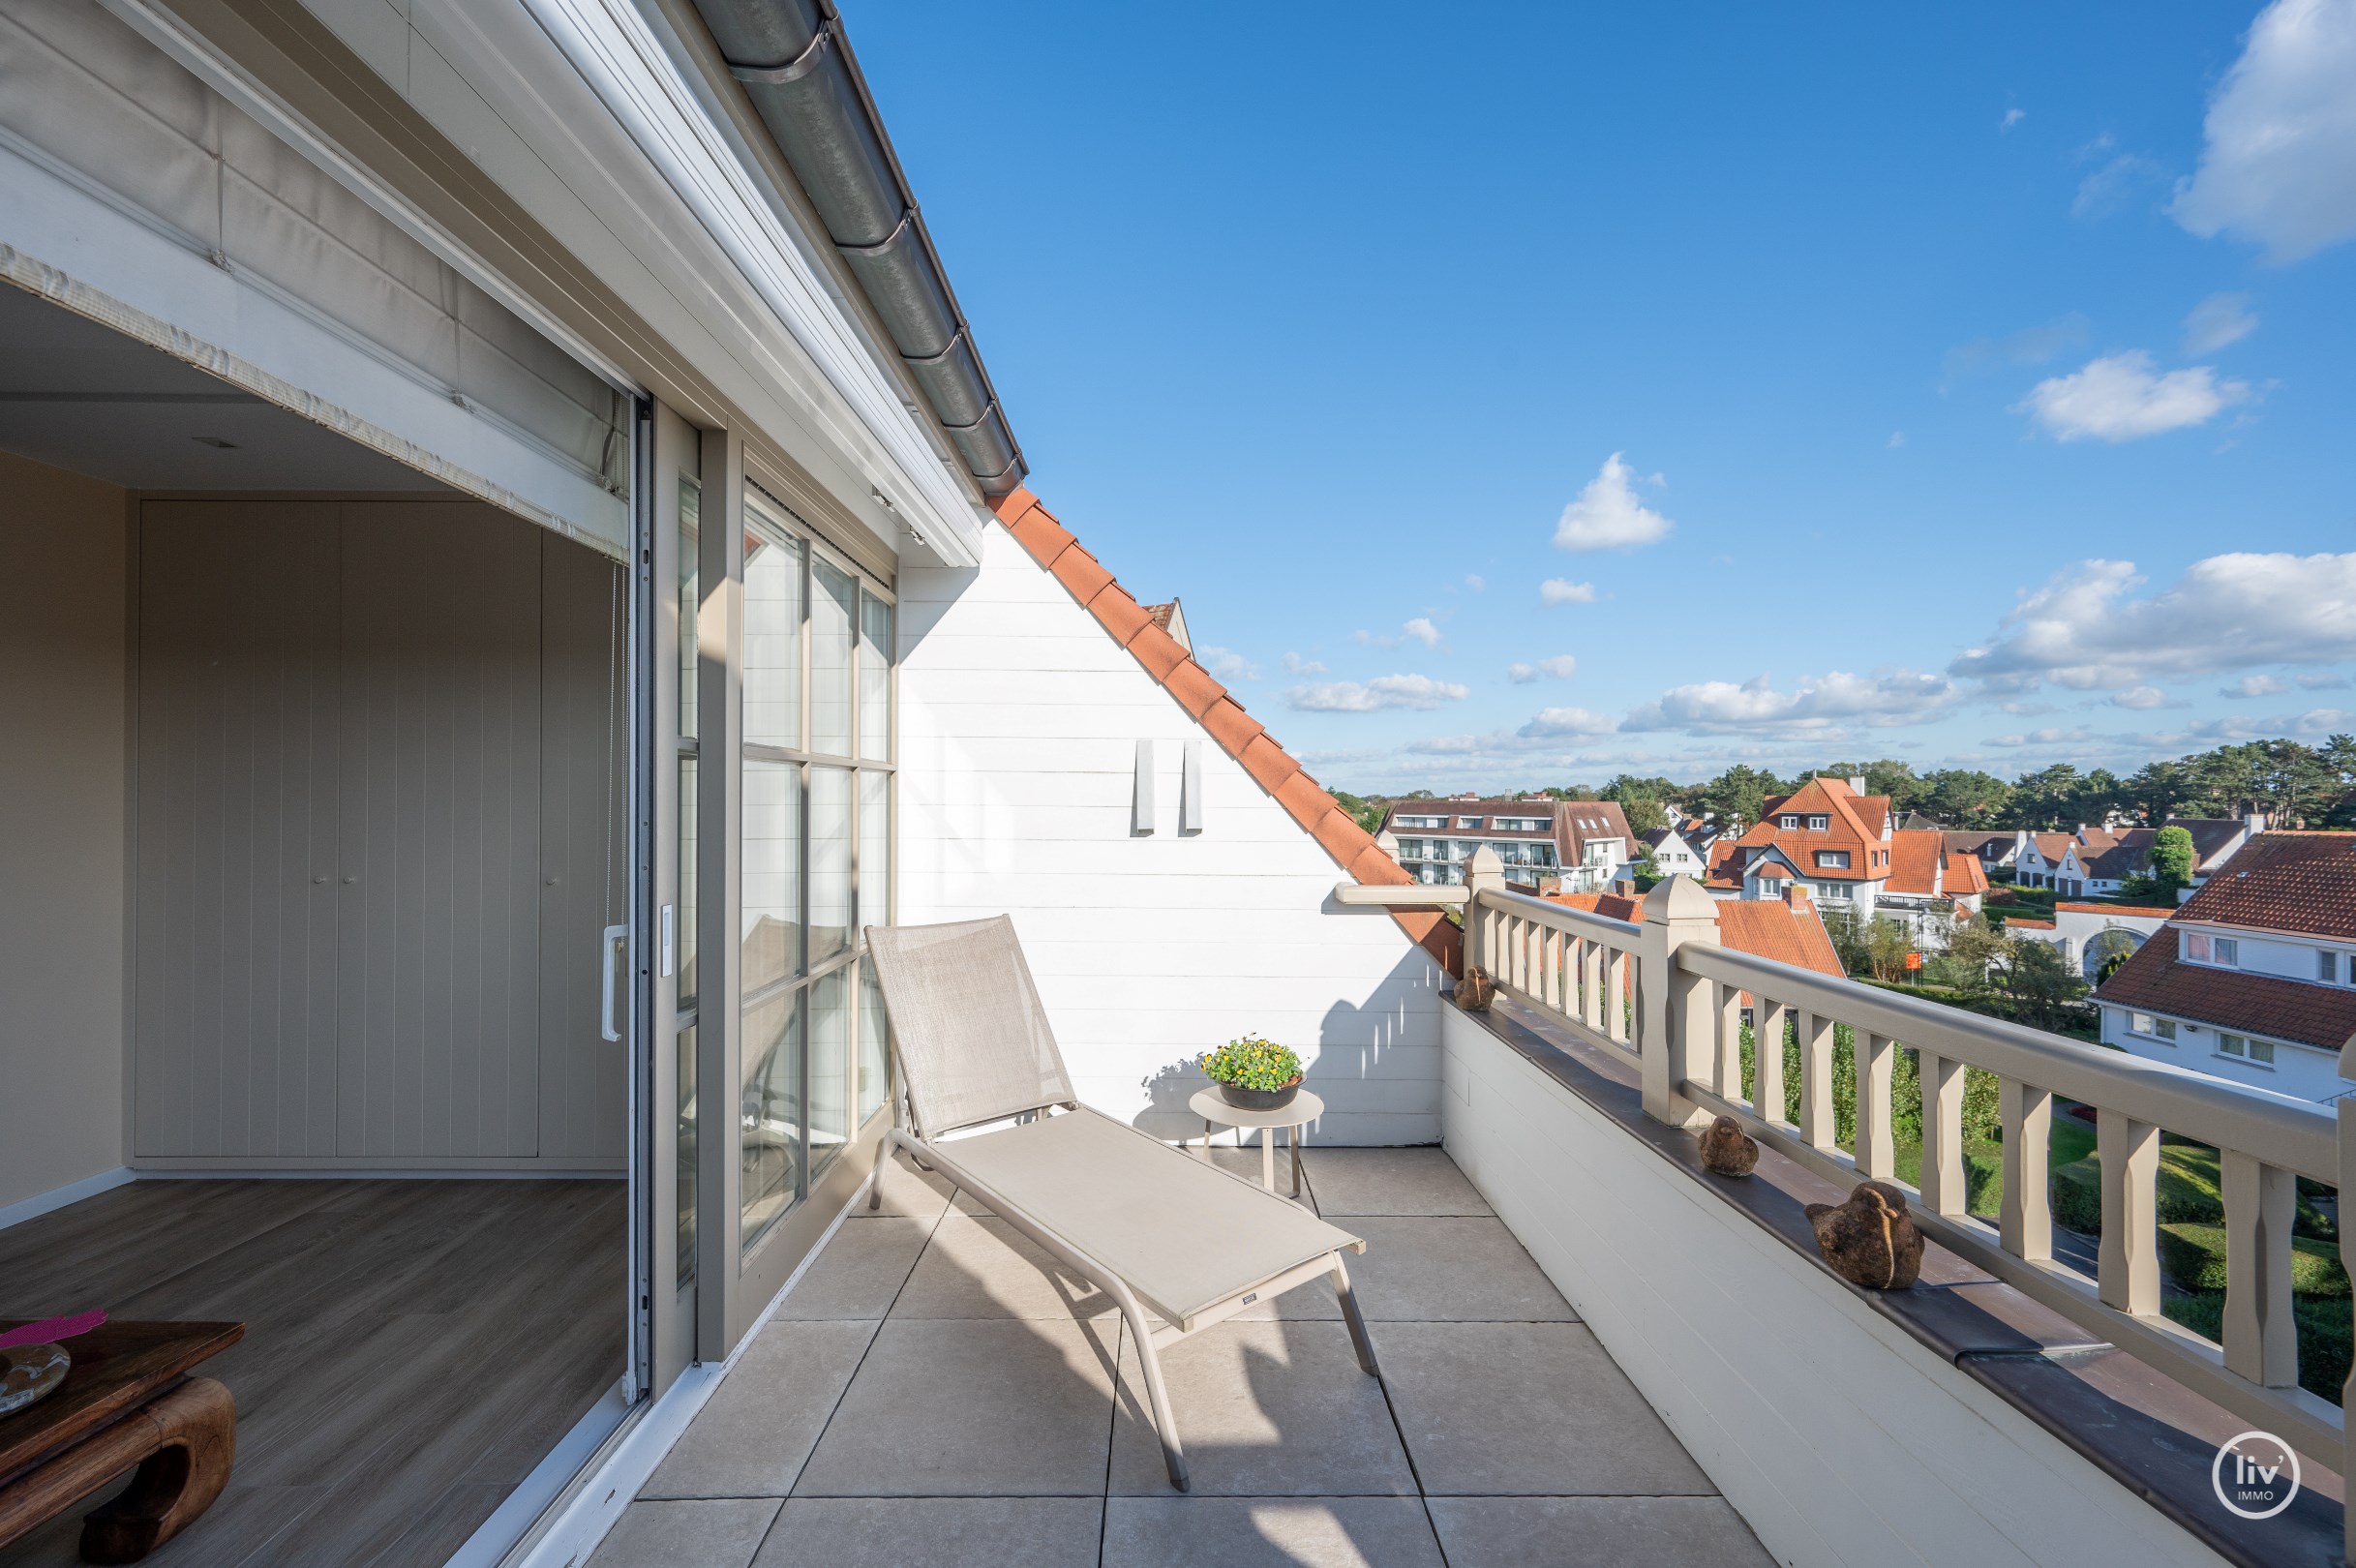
(1679, 901)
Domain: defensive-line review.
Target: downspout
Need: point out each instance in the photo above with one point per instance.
(798, 70)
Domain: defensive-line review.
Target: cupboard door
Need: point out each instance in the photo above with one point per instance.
(439, 924)
(235, 840)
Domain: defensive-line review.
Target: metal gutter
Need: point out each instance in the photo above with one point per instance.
(796, 68)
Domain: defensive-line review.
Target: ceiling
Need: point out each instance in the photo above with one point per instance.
(79, 395)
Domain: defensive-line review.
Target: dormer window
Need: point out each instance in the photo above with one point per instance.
(1817, 824)
(1468, 822)
(2335, 968)
(1787, 821)
(2203, 949)
(1832, 860)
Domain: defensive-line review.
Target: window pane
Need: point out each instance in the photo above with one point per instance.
(772, 639)
(770, 1117)
(833, 607)
(829, 1067)
(875, 849)
(684, 1085)
(2228, 951)
(830, 861)
(684, 923)
(2261, 1050)
(772, 873)
(874, 1071)
(690, 599)
(874, 679)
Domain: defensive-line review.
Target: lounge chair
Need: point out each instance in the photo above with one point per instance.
(1156, 1230)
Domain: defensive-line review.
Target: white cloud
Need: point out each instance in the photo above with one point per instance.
(2140, 698)
(2256, 685)
(1228, 665)
(2110, 188)
(2121, 398)
(1383, 691)
(1559, 723)
(1563, 590)
(2218, 321)
(1295, 665)
(2012, 117)
(1607, 516)
(1561, 667)
(2084, 631)
(2279, 165)
(2041, 737)
(1818, 703)
(2323, 683)
(1475, 582)
(1419, 631)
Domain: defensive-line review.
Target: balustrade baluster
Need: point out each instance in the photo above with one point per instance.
(1767, 1022)
(2027, 1221)
(2128, 1272)
(1815, 1121)
(2261, 1336)
(1943, 1084)
(1875, 1154)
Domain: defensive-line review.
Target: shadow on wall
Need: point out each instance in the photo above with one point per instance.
(1375, 1063)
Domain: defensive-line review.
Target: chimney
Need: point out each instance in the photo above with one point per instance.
(1856, 785)
(2254, 822)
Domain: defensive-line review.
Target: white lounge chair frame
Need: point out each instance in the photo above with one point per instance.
(963, 1008)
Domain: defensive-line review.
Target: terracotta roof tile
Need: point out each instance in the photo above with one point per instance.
(1084, 575)
(1230, 726)
(1119, 614)
(1160, 652)
(1192, 685)
(1222, 717)
(1965, 875)
(2153, 979)
(1914, 861)
(2297, 881)
(2012, 922)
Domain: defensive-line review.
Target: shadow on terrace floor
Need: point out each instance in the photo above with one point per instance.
(934, 1391)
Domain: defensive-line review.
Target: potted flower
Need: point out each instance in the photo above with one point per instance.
(1254, 1073)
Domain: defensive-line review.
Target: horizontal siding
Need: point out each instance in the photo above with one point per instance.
(1020, 719)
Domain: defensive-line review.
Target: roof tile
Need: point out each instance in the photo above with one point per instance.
(1158, 652)
(1192, 685)
(1230, 726)
(1119, 614)
(1267, 761)
(2297, 881)
(1083, 574)
(1306, 798)
(1339, 831)
(1041, 535)
(2153, 979)
(1376, 867)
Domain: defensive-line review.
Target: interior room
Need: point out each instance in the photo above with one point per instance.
(315, 811)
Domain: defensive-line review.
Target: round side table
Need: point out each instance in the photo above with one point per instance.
(1213, 1108)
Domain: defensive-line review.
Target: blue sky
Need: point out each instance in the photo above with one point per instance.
(1972, 387)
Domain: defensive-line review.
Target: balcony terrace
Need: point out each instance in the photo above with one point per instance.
(1594, 1350)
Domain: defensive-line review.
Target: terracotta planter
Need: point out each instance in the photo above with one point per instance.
(1260, 1100)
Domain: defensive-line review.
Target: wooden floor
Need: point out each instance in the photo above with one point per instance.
(413, 1348)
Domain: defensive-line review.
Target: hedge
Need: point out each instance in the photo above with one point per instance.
(2325, 1332)
(2186, 1192)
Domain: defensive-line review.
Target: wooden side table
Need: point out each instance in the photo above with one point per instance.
(1213, 1108)
(128, 1400)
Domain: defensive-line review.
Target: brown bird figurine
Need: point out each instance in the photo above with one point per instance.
(1727, 1149)
(1476, 991)
(1870, 1239)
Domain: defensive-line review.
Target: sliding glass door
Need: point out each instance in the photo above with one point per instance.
(801, 706)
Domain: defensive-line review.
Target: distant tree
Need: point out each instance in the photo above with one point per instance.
(1643, 800)
(1964, 796)
(2157, 791)
(1647, 871)
(2170, 866)
(1889, 776)
(1741, 793)
(1366, 811)
(1974, 948)
(2039, 984)
(1886, 944)
(2048, 798)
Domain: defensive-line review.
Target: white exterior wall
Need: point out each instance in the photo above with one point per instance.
(1839, 1437)
(2300, 1071)
(1019, 724)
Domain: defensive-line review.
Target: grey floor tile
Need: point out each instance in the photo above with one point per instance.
(1389, 1181)
(1455, 1268)
(969, 1532)
(1268, 1532)
(1525, 1409)
(909, 1193)
(859, 1273)
(750, 1439)
(986, 1268)
(1278, 1410)
(717, 1533)
(972, 1407)
(1595, 1532)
